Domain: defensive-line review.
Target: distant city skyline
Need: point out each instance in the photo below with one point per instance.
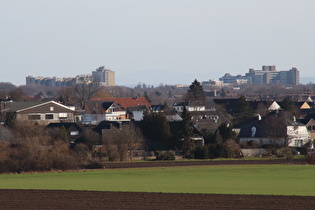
(153, 42)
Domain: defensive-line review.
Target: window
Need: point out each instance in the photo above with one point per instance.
(74, 133)
(34, 117)
(298, 143)
(63, 116)
(51, 108)
(49, 116)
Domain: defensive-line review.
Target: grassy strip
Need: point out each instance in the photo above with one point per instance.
(241, 179)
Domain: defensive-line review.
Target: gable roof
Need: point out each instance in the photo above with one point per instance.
(308, 122)
(274, 106)
(305, 105)
(100, 106)
(107, 104)
(160, 107)
(259, 130)
(255, 104)
(137, 108)
(126, 102)
(65, 125)
(25, 106)
(16, 106)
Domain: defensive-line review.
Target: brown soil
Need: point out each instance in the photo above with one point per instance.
(197, 163)
(56, 199)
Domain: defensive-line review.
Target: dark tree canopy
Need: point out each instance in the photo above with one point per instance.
(186, 125)
(195, 93)
(226, 132)
(243, 110)
(186, 133)
(156, 128)
(287, 104)
(274, 126)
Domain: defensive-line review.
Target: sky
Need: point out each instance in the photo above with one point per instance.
(154, 42)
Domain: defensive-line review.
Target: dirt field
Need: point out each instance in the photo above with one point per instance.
(45, 199)
(197, 163)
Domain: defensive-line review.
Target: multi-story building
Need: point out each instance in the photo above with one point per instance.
(239, 79)
(104, 76)
(51, 81)
(267, 75)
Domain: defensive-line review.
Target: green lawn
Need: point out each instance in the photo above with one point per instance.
(244, 179)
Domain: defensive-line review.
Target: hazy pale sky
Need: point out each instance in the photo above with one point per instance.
(169, 41)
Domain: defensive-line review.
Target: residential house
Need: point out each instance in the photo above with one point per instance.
(197, 137)
(136, 113)
(41, 112)
(296, 134)
(206, 118)
(309, 122)
(159, 108)
(170, 114)
(126, 102)
(105, 126)
(97, 111)
(179, 107)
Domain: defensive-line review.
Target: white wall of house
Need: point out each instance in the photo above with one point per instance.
(114, 116)
(137, 115)
(190, 108)
(196, 108)
(95, 119)
(298, 136)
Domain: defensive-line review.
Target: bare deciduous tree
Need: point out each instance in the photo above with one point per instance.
(85, 91)
(122, 141)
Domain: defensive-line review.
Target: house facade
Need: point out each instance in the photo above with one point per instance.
(97, 111)
(41, 112)
(256, 131)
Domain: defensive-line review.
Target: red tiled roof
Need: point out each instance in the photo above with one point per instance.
(126, 102)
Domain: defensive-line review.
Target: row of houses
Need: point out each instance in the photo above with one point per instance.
(299, 128)
(105, 111)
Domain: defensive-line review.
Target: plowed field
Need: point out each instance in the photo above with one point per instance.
(56, 199)
(198, 163)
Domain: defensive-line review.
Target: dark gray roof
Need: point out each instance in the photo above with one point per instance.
(137, 108)
(15, 106)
